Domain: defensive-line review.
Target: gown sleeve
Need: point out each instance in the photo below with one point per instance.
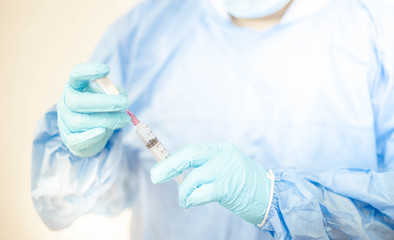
(347, 203)
(64, 186)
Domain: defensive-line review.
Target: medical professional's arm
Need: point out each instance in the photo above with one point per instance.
(95, 176)
(342, 203)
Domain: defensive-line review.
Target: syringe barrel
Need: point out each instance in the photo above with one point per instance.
(144, 132)
(158, 151)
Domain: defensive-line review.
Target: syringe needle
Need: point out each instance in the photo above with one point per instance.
(134, 119)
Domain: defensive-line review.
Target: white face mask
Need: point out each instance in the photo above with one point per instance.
(252, 8)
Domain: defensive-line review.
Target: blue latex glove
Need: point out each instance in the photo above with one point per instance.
(223, 174)
(86, 116)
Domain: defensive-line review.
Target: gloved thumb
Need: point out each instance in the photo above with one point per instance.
(83, 73)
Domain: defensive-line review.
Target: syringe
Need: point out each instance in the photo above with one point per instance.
(143, 131)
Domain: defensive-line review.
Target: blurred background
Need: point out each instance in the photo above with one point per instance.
(40, 41)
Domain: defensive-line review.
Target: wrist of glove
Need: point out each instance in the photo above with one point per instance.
(86, 116)
(222, 174)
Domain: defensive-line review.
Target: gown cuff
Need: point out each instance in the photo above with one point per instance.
(271, 177)
(273, 207)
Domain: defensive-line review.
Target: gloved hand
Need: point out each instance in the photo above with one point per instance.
(223, 174)
(87, 117)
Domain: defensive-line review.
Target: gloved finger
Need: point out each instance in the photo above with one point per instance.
(94, 102)
(196, 178)
(83, 73)
(206, 193)
(192, 156)
(78, 122)
(80, 140)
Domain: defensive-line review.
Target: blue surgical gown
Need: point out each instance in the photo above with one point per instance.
(311, 98)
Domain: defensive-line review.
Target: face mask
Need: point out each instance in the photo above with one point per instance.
(253, 8)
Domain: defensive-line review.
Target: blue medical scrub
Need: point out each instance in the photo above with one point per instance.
(311, 98)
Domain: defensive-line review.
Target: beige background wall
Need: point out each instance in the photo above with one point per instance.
(40, 41)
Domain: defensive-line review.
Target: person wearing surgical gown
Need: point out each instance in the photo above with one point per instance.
(310, 98)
